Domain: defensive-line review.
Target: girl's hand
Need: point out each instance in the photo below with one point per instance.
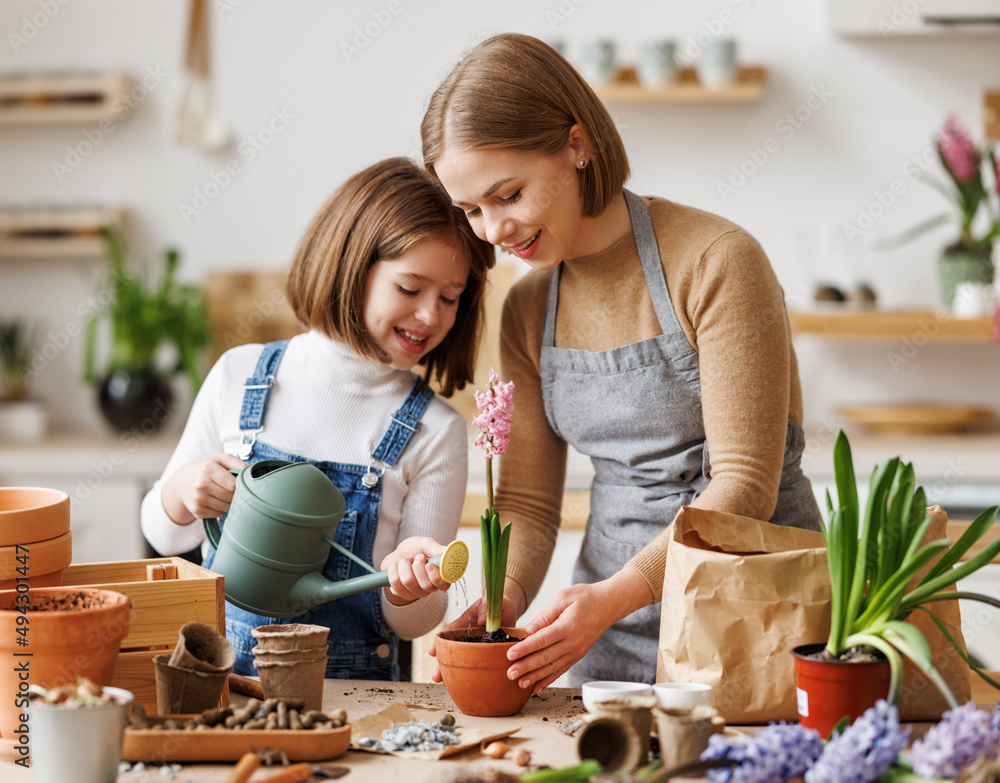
(201, 489)
(411, 577)
(569, 626)
(475, 616)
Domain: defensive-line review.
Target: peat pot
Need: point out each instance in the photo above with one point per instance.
(475, 674)
(828, 691)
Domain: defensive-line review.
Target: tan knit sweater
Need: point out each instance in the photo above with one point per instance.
(730, 306)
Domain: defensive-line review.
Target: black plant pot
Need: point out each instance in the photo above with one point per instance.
(136, 400)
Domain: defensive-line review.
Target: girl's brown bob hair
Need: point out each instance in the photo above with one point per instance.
(378, 214)
(515, 92)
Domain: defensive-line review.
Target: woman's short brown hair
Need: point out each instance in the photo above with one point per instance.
(515, 92)
(378, 214)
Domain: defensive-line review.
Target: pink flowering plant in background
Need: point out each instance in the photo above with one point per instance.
(496, 411)
(973, 186)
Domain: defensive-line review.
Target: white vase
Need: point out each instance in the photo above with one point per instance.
(83, 745)
(22, 421)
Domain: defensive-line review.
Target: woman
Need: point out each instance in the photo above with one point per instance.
(652, 336)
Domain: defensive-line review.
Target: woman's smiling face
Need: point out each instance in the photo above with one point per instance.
(528, 204)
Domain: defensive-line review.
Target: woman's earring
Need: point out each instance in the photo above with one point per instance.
(581, 164)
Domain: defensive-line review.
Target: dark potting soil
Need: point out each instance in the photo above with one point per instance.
(851, 655)
(69, 602)
(499, 636)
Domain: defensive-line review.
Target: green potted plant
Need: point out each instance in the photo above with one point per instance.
(22, 414)
(973, 187)
(146, 316)
(881, 571)
(473, 661)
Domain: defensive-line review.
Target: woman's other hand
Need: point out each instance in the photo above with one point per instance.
(568, 627)
(202, 489)
(411, 577)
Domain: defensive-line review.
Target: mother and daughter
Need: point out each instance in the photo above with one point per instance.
(651, 336)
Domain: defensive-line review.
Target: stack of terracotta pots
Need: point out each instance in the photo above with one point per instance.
(192, 677)
(291, 661)
(35, 541)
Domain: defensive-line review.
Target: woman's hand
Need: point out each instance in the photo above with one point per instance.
(568, 627)
(411, 577)
(201, 489)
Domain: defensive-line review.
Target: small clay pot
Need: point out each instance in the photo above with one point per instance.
(40, 563)
(475, 674)
(29, 514)
(290, 636)
(71, 632)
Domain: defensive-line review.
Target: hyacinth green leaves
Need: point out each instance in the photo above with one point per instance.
(496, 406)
(872, 560)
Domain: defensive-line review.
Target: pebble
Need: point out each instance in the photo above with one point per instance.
(415, 735)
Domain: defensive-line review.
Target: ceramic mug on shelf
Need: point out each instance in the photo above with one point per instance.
(597, 61)
(655, 65)
(716, 65)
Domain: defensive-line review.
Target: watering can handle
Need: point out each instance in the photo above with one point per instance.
(212, 529)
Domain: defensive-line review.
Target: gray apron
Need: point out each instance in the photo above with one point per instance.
(636, 412)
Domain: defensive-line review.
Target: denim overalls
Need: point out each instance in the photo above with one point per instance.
(636, 411)
(360, 645)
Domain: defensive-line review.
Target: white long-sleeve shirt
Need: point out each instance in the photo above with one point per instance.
(329, 404)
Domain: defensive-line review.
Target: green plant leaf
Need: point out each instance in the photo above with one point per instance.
(891, 654)
(911, 642)
(976, 529)
(958, 648)
(896, 585)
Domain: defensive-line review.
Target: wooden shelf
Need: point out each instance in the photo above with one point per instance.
(932, 326)
(41, 99)
(749, 86)
(64, 232)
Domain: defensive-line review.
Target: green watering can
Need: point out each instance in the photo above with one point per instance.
(277, 538)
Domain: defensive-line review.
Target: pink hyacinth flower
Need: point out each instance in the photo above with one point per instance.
(497, 410)
(958, 150)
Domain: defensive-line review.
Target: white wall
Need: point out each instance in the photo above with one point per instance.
(882, 101)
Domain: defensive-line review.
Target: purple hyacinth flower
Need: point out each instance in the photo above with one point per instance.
(963, 735)
(776, 754)
(864, 751)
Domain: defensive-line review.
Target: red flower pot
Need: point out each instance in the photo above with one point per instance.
(828, 691)
(475, 674)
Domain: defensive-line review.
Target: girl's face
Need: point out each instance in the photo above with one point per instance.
(526, 203)
(411, 301)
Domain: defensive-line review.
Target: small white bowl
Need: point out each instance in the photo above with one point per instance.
(672, 695)
(608, 690)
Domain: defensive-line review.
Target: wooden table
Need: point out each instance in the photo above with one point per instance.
(539, 733)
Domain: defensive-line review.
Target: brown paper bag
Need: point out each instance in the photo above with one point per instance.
(739, 594)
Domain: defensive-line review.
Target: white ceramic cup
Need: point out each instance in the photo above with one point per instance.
(972, 300)
(672, 695)
(597, 61)
(83, 745)
(655, 65)
(609, 690)
(716, 65)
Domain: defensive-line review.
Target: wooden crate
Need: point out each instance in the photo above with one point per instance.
(165, 593)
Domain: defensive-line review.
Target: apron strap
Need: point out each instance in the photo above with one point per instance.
(652, 265)
(257, 392)
(652, 268)
(404, 425)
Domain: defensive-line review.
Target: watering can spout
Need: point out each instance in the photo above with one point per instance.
(313, 589)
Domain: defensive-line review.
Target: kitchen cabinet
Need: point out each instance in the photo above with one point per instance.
(105, 476)
(913, 17)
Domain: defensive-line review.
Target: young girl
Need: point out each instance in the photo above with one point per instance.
(652, 336)
(388, 276)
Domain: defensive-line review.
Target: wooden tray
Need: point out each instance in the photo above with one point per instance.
(229, 745)
(918, 419)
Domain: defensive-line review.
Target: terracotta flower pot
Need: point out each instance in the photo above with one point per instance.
(29, 514)
(39, 563)
(69, 633)
(475, 674)
(829, 691)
